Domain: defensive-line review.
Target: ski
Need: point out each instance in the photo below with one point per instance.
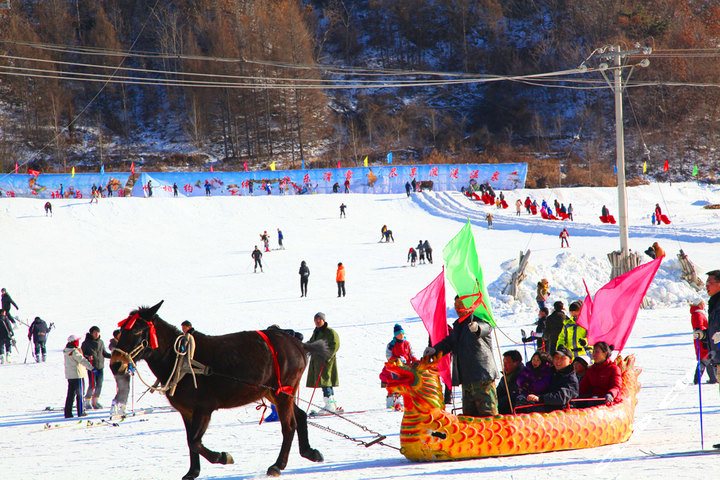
(141, 411)
(687, 453)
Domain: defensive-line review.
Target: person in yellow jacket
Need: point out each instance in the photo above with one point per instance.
(573, 336)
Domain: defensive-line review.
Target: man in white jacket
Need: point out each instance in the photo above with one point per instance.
(76, 367)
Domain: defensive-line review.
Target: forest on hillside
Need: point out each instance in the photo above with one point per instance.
(177, 84)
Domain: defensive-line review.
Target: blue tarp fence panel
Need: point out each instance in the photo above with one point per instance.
(383, 179)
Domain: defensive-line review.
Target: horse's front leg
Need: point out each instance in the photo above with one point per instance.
(196, 428)
(286, 413)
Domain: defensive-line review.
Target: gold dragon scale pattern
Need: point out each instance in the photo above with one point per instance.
(429, 433)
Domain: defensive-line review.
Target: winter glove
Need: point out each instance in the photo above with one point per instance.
(429, 352)
(95, 371)
(609, 398)
(131, 368)
(716, 337)
(473, 326)
(521, 399)
(699, 334)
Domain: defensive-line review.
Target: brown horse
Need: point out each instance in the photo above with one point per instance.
(242, 370)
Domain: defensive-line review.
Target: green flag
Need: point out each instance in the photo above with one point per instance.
(464, 272)
(695, 171)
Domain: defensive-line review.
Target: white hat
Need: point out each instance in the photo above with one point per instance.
(73, 339)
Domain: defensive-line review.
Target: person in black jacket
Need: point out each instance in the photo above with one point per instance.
(564, 385)
(553, 326)
(512, 366)
(93, 348)
(6, 302)
(471, 343)
(38, 331)
(257, 256)
(304, 276)
(6, 337)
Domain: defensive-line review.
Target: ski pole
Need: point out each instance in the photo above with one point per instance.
(699, 374)
(523, 342)
(26, 352)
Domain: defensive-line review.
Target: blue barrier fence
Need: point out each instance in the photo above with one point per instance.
(382, 179)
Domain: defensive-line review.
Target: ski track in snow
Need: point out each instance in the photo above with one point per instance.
(92, 264)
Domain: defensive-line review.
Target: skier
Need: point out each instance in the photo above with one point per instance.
(38, 331)
(340, 279)
(564, 235)
(398, 349)
(6, 301)
(407, 188)
(257, 255)
(266, 240)
(175, 189)
(304, 276)
(94, 350)
(347, 185)
(149, 188)
(412, 257)
(76, 367)
(280, 239)
(6, 337)
(383, 229)
(342, 210)
(324, 373)
(48, 208)
(207, 188)
(421, 252)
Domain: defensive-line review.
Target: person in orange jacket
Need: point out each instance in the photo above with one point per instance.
(340, 279)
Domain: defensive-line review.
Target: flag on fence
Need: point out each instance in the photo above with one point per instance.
(610, 316)
(16, 167)
(211, 168)
(365, 162)
(34, 173)
(132, 168)
(695, 171)
(272, 166)
(666, 167)
(339, 164)
(72, 172)
(245, 166)
(429, 304)
(465, 274)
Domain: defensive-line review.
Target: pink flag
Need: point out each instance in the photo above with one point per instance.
(429, 304)
(211, 169)
(339, 164)
(613, 311)
(16, 167)
(245, 166)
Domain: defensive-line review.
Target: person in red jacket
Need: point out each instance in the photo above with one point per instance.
(398, 349)
(700, 323)
(603, 379)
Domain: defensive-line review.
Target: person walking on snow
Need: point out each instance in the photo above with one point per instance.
(421, 252)
(518, 207)
(342, 210)
(280, 239)
(340, 279)
(76, 367)
(266, 240)
(6, 337)
(412, 257)
(428, 251)
(570, 212)
(564, 235)
(304, 276)
(658, 213)
(257, 256)
(489, 219)
(37, 331)
(324, 373)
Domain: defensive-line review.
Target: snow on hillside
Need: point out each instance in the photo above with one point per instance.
(92, 264)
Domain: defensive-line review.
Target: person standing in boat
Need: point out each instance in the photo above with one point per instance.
(471, 343)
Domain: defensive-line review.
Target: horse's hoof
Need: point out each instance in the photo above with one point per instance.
(226, 459)
(312, 455)
(191, 476)
(273, 471)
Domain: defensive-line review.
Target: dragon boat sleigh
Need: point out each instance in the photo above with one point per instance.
(429, 433)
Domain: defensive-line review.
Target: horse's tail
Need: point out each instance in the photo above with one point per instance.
(319, 348)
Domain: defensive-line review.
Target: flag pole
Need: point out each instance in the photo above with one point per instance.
(507, 389)
(699, 379)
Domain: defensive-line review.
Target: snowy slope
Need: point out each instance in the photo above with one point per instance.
(92, 264)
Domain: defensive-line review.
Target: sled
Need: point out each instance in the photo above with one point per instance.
(429, 433)
(552, 217)
(504, 204)
(544, 214)
(664, 219)
(533, 209)
(472, 195)
(563, 216)
(608, 219)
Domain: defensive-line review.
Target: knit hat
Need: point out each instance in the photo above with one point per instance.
(320, 315)
(73, 339)
(398, 329)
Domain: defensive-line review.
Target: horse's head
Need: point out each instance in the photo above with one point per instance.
(137, 338)
(419, 383)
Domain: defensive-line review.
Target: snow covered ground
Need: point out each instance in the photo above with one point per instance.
(91, 264)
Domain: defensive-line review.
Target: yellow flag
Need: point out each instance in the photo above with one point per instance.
(644, 167)
(365, 161)
(272, 166)
(73, 173)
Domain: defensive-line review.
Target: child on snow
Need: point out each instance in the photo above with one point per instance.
(398, 349)
(412, 257)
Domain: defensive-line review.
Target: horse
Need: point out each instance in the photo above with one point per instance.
(242, 367)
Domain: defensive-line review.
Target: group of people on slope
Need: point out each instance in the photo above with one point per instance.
(419, 253)
(256, 254)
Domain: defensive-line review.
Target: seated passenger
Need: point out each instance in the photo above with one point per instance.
(580, 364)
(535, 378)
(563, 384)
(513, 368)
(603, 379)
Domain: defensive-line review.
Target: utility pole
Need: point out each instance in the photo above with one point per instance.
(623, 262)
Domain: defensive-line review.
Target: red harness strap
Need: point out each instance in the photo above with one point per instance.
(286, 389)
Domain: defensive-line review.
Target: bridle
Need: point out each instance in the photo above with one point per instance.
(150, 341)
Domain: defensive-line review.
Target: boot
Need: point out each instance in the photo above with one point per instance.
(273, 417)
(44, 357)
(330, 404)
(87, 405)
(96, 405)
(7, 358)
(2, 359)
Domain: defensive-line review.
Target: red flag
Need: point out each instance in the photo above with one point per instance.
(339, 164)
(32, 172)
(429, 304)
(613, 311)
(211, 168)
(16, 167)
(245, 166)
(132, 168)
(666, 167)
